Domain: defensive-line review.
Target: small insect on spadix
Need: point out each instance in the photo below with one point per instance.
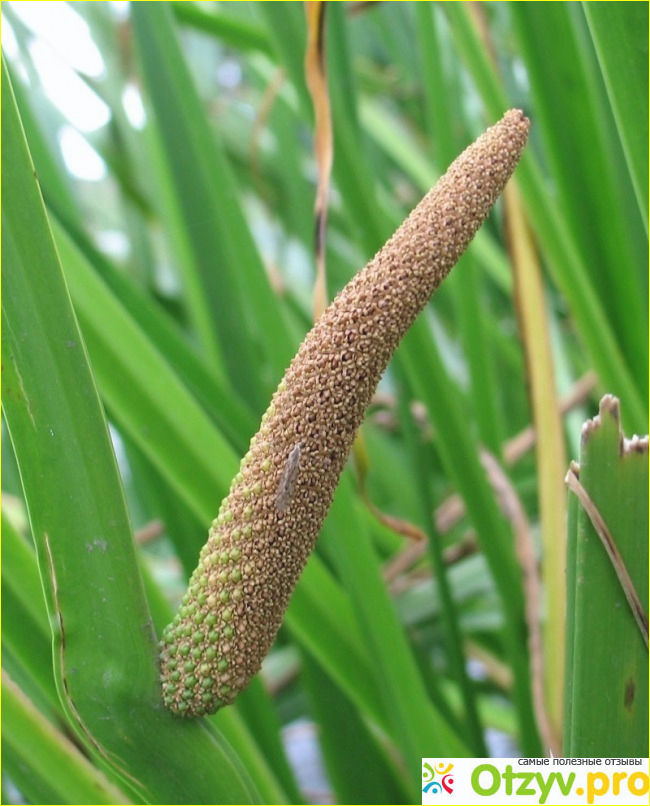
(288, 479)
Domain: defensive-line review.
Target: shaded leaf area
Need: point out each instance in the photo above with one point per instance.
(167, 299)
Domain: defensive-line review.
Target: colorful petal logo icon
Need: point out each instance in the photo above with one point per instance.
(437, 778)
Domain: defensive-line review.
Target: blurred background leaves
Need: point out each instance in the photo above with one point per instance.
(186, 243)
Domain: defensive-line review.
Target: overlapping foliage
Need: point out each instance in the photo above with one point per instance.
(180, 339)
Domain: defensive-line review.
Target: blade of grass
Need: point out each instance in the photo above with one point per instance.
(316, 76)
(231, 283)
(230, 30)
(50, 169)
(429, 380)
(575, 122)
(286, 28)
(414, 722)
(140, 387)
(620, 41)
(26, 629)
(607, 654)
(341, 730)
(231, 414)
(549, 447)
(351, 170)
(50, 757)
(143, 392)
(81, 529)
(257, 714)
(420, 468)
(565, 262)
(447, 136)
(331, 634)
(440, 80)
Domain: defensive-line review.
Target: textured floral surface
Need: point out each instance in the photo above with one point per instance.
(269, 522)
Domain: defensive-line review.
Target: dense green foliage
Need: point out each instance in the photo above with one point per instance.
(167, 298)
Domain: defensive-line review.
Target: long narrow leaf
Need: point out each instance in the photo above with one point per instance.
(619, 37)
(80, 524)
(568, 266)
(607, 681)
(230, 284)
(49, 755)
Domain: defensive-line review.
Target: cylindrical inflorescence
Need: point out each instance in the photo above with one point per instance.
(269, 522)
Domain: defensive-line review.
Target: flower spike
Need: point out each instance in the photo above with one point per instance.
(269, 522)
